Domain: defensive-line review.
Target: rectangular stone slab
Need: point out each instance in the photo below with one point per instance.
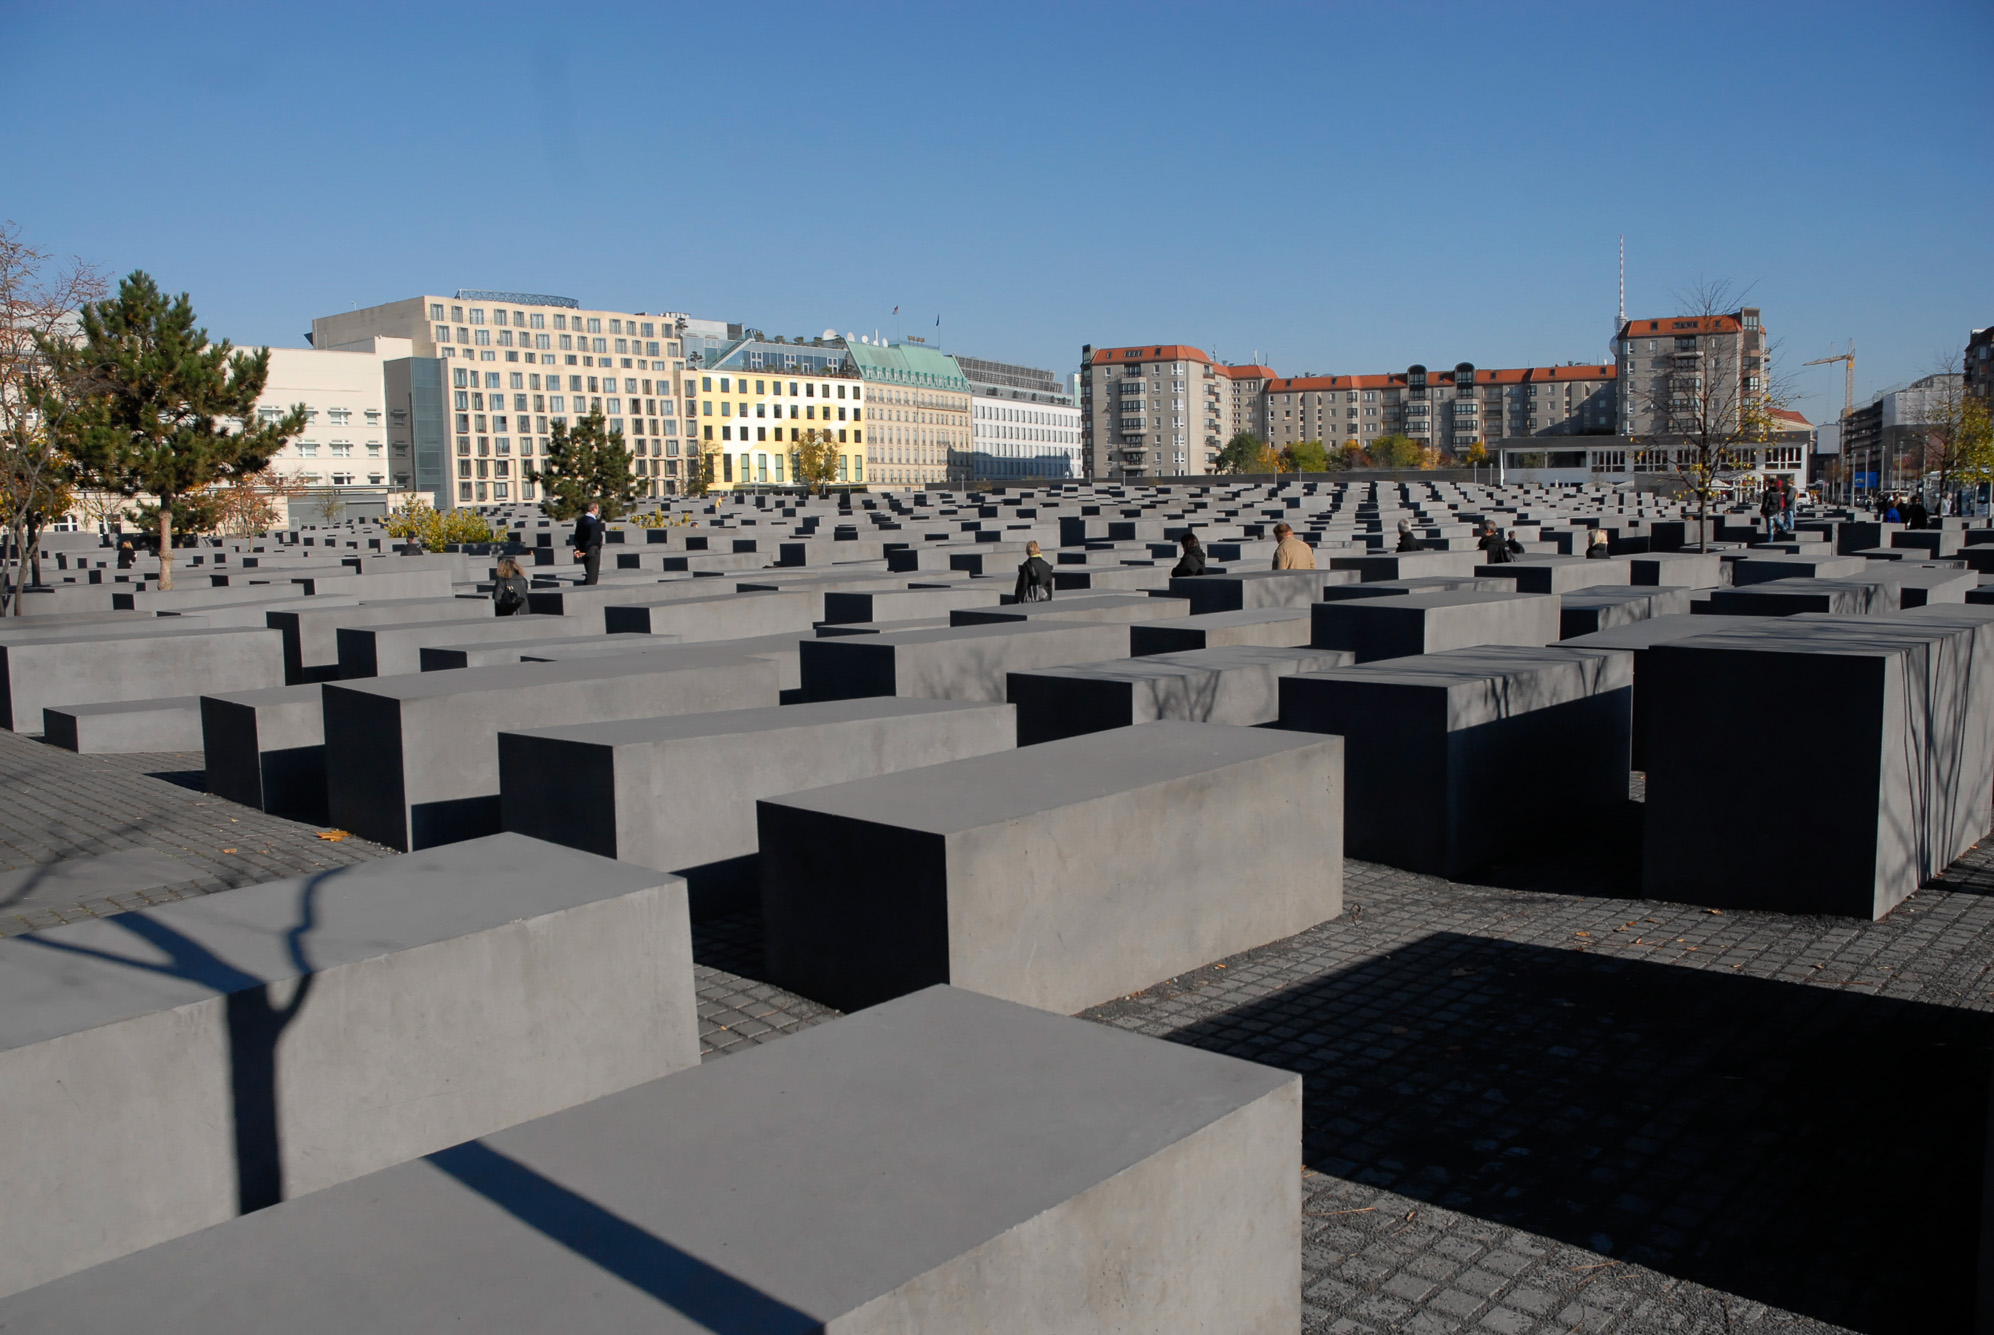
(1786, 597)
(1426, 623)
(167, 1069)
(101, 667)
(902, 604)
(1242, 590)
(1127, 608)
(1557, 574)
(395, 650)
(1409, 565)
(1059, 875)
(679, 793)
(311, 633)
(445, 657)
(946, 1162)
(1591, 610)
(266, 749)
(960, 663)
(1455, 758)
(1271, 627)
(128, 726)
(1895, 789)
(728, 616)
(412, 761)
(1682, 570)
(1236, 685)
(1640, 636)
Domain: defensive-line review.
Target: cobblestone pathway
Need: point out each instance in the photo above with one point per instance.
(1538, 1105)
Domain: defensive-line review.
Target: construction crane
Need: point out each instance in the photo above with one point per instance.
(1848, 360)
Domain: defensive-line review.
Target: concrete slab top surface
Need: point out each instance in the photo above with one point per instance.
(271, 695)
(1251, 616)
(1490, 682)
(1610, 595)
(527, 676)
(1010, 785)
(1194, 662)
(68, 979)
(96, 636)
(729, 722)
(772, 1192)
(129, 706)
(944, 634)
(1657, 630)
(1840, 636)
(1437, 599)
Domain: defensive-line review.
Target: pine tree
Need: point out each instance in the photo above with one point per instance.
(588, 462)
(161, 412)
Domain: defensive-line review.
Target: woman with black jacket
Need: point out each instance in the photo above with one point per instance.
(1193, 561)
(1034, 577)
(509, 592)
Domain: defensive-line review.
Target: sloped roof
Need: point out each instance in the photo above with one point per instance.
(907, 364)
(1150, 352)
(1498, 376)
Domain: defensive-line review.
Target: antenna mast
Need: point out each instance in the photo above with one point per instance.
(1623, 283)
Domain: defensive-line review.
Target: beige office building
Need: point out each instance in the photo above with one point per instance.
(1452, 410)
(508, 366)
(339, 463)
(1675, 371)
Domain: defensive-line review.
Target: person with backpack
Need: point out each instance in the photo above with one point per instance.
(1034, 577)
(1916, 516)
(1495, 548)
(1407, 542)
(509, 591)
(1769, 507)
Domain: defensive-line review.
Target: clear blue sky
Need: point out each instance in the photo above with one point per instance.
(1333, 187)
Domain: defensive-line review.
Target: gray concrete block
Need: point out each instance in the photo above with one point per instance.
(946, 1162)
(395, 649)
(1896, 788)
(679, 793)
(559, 649)
(1682, 570)
(165, 1070)
(412, 761)
(727, 616)
(1271, 627)
(92, 667)
(1111, 579)
(1390, 588)
(311, 632)
(961, 663)
(1409, 565)
(1788, 597)
(266, 749)
(1245, 590)
(127, 726)
(1237, 685)
(901, 604)
(1060, 875)
(1558, 574)
(1127, 608)
(1637, 637)
(588, 600)
(1763, 567)
(1426, 623)
(1455, 758)
(1592, 610)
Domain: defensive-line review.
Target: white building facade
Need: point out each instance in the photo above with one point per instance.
(1024, 424)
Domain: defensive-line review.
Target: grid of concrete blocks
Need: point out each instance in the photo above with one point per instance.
(459, 1079)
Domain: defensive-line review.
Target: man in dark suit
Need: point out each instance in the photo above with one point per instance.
(588, 542)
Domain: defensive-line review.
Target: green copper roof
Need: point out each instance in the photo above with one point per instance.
(908, 364)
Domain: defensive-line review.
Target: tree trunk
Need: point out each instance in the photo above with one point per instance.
(34, 552)
(165, 547)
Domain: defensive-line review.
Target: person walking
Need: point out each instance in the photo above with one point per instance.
(509, 590)
(1916, 516)
(1407, 542)
(1891, 514)
(1034, 578)
(1193, 560)
(1596, 545)
(1769, 507)
(588, 542)
(1290, 552)
(1495, 548)
(125, 555)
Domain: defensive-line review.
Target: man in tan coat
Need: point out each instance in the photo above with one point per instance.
(1291, 553)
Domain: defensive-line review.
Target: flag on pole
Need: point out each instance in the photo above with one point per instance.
(896, 310)
(938, 322)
